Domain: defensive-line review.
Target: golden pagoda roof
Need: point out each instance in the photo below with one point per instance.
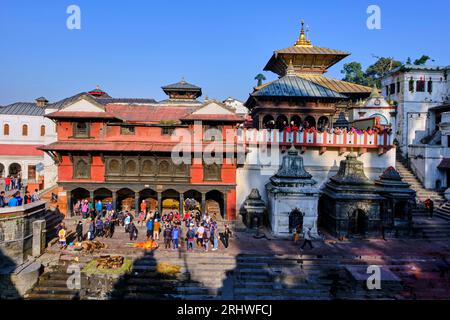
(304, 57)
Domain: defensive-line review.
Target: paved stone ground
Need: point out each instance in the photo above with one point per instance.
(268, 269)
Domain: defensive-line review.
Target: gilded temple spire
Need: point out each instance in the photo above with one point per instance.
(302, 41)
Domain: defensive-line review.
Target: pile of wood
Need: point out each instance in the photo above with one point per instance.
(91, 246)
(108, 262)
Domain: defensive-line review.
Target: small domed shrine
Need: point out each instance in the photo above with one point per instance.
(293, 197)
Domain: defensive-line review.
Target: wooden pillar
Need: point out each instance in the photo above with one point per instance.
(181, 203)
(114, 200)
(136, 202)
(225, 207)
(160, 203)
(91, 195)
(69, 203)
(203, 203)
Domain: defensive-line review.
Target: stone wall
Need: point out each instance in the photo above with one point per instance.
(16, 231)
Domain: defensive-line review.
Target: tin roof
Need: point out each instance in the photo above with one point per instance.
(23, 108)
(295, 86)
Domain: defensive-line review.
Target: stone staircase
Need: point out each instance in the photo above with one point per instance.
(422, 193)
(223, 275)
(443, 211)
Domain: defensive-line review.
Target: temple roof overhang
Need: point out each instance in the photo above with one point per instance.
(304, 59)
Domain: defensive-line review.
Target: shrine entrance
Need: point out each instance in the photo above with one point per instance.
(125, 199)
(295, 220)
(215, 204)
(357, 223)
(170, 201)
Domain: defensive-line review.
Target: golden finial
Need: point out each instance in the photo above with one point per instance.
(302, 41)
(290, 71)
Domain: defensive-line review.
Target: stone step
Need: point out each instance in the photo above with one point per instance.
(46, 296)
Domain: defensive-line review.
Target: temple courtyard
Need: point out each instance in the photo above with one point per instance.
(251, 268)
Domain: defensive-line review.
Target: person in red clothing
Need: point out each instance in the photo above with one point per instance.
(7, 183)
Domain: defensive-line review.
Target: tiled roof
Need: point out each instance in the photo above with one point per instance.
(23, 108)
(104, 101)
(20, 150)
(214, 117)
(182, 85)
(151, 114)
(294, 86)
(80, 114)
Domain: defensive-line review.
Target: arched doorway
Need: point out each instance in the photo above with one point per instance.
(2, 170)
(281, 122)
(309, 122)
(295, 220)
(103, 194)
(215, 204)
(192, 200)
(170, 201)
(80, 194)
(296, 120)
(125, 199)
(358, 223)
(323, 123)
(14, 169)
(150, 197)
(268, 122)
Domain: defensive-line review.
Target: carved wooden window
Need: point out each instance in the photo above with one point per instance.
(127, 130)
(148, 167)
(82, 169)
(42, 131)
(212, 172)
(81, 130)
(25, 130)
(164, 167)
(6, 129)
(114, 166)
(180, 169)
(131, 167)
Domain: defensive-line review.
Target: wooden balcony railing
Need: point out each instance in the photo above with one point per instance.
(382, 141)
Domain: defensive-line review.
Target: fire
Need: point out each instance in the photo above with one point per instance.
(146, 245)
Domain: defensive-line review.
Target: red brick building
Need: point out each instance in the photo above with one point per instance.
(120, 150)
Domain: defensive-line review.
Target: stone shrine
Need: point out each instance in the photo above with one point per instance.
(350, 205)
(400, 200)
(293, 197)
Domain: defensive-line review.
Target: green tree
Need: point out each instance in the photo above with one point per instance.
(379, 69)
(422, 60)
(354, 73)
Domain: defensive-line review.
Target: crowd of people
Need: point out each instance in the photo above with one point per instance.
(171, 228)
(307, 128)
(16, 199)
(13, 182)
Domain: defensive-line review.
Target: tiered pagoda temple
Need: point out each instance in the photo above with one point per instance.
(303, 94)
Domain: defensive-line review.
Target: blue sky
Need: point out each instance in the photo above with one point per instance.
(131, 48)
